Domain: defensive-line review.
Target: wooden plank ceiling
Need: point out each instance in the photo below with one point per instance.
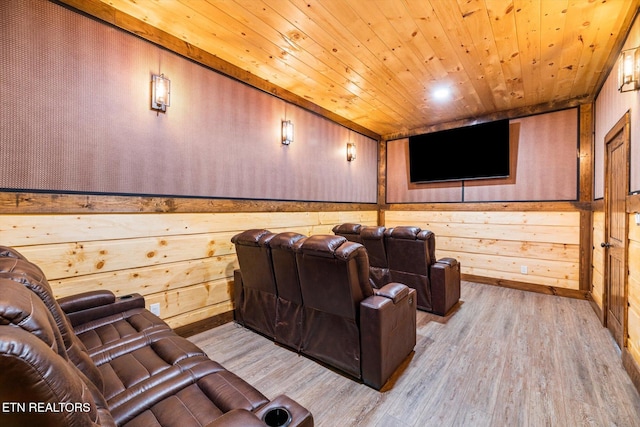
(377, 63)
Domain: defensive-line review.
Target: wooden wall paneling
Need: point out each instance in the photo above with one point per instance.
(183, 300)
(80, 258)
(148, 280)
(59, 203)
(585, 193)
(382, 180)
(184, 261)
(633, 327)
(515, 248)
(202, 319)
(631, 354)
(598, 259)
(24, 230)
(540, 206)
(497, 245)
(501, 226)
(586, 152)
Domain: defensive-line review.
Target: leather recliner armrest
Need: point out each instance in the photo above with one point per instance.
(449, 261)
(237, 418)
(393, 291)
(387, 333)
(86, 300)
(85, 307)
(445, 285)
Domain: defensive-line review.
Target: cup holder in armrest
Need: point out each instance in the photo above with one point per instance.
(126, 297)
(277, 417)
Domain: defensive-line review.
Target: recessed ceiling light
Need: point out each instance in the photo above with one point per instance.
(441, 93)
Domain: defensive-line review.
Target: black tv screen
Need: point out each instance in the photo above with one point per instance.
(471, 152)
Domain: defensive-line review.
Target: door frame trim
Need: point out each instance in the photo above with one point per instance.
(623, 125)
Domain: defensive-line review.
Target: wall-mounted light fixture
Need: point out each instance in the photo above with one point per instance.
(351, 151)
(629, 70)
(160, 92)
(287, 132)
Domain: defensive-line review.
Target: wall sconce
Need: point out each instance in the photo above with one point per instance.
(629, 70)
(160, 93)
(287, 132)
(351, 151)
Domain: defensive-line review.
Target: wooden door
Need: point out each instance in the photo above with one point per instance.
(616, 223)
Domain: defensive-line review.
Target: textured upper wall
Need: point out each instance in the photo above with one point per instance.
(76, 118)
(610, 106)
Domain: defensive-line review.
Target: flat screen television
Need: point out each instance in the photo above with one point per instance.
(471, 152)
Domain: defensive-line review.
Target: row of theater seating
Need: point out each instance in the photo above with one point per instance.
(407, 254)
(313, 295)
(97, 360)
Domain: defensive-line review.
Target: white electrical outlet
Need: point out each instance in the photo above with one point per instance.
(637, 218)
(155, 308)
(524, 269)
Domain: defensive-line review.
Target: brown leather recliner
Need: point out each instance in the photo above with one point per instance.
(372, 238)
(35, 369)
(347, 325)
(412, 261)
(255, 291)
(134, 378)
(349, 231)
(289, 313)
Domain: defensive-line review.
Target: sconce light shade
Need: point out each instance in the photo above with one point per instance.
(629, 70)
(287, 132)
(351, 151)
(160, 92)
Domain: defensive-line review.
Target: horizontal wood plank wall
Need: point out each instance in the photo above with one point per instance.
(633, 290)
(183, 261)
(496, 244)
(598, 266)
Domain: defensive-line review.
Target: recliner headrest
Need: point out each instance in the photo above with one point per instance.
(287, 240)
(347, 228)
(328, 246)
(424, 235)
(253, 237)
(410, 233)
(372, 232)
(8, 252)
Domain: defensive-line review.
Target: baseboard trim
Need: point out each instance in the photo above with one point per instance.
(522, 286)
(632, 368)
(204, 324)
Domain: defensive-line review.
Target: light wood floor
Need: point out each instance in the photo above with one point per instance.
(504, 358)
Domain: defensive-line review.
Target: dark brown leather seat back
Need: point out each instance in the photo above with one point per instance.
(411, 252)
(35, 369)
(334, 279)
(289, 306)
(349, 231)
(10, 253)
(259, 284)
(31, 277)
(373, 241)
